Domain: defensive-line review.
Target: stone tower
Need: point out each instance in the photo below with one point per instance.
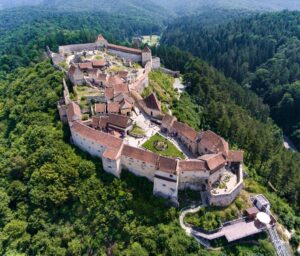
(146, 55)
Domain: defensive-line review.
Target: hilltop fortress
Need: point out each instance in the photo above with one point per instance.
(104, 106)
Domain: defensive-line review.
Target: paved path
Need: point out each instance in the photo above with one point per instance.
(234, 231)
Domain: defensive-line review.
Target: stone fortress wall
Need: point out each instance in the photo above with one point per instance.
(212, 155)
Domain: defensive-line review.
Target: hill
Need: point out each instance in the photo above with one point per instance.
(192, 6)
(259, 51)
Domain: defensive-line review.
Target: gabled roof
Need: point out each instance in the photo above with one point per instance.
(214, 161)
(119, 120)
(98, 63)
(100, 108)
(98, 137)
(73, 112)
(140, 154)
(109, 93)
(213, 142)
(185, 131)
(113, 107)
(166, 164)
(236, 156)
(85, 65)
(114, 80)
(168, 120)
(120, 88)
(152, 102)
(192, 165)
(111, 153)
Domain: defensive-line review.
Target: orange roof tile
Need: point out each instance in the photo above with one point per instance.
(98, 63)
(113, 107)
(98, 137)
(109, 93)
(73, 112)
(111, 153)
(119, 120)
(120, 88)
(214, 161)
(85, 65)
(140, 154)
(167, 164)
(236, 156)
(192, 165)
(168, 120)
(185, 131)
(213, 142)
(100, 108)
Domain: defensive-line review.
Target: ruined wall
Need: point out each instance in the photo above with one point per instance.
(193, 179)
(126, 56)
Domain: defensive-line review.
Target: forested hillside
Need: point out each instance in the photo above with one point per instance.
(36, 28)
(239, 116)
(260, 52)
(57, 201)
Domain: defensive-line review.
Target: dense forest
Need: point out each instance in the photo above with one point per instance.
(57, 200)
(261, 52)
(36, 28)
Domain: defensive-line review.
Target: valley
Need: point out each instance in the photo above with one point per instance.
(236, 76)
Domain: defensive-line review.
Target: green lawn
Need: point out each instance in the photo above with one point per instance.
(171, 151)
(137, 130)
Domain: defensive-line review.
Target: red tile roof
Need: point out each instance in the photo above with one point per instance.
(98, 137)
(167, 164)
(185, 131)
(73, 112)
(124, 49)
(236, 156)
(113, 107)
(119, 120)
(114, 80)
(120, 88)
(109, 93)
(140, 154)
(111, 153)
(192, 165)
(168, 120)
(85, 65)
(100, 108)
(152, 102)
(103, 122)
(98, 63)
(213, 142)
(214, 161)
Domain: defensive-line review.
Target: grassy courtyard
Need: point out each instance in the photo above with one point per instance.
(163, 147)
